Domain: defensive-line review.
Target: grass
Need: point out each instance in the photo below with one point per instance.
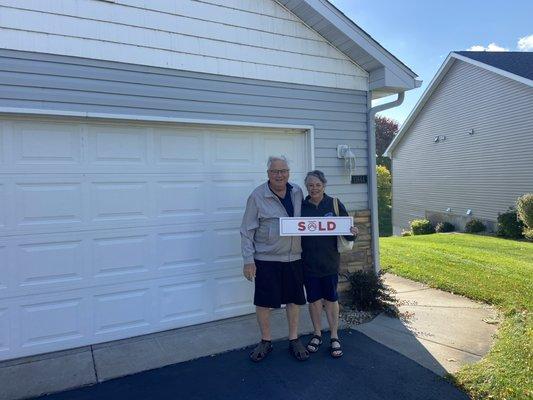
(489, 269)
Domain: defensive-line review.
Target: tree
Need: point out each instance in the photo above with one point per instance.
(384, 200)
(386, 129)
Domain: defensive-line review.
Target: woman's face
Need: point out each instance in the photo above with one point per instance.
(315, 188)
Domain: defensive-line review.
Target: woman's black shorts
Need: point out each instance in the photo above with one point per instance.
(278, 283)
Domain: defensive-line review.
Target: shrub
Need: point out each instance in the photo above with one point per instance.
(528, 233)
(445, 227)
(524, 207)
(509, 225)
(421, 227)
(368, 292)
(474, 226)
(407, 233)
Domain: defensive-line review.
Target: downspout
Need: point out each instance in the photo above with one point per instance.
(373, 198)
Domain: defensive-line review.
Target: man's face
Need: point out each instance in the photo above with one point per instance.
(278, 175)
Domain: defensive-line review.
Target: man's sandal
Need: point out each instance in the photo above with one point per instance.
(298, 351)
(314, 343)
(336, 351)
(261, 350)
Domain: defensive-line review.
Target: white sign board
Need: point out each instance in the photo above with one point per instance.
(315, 226)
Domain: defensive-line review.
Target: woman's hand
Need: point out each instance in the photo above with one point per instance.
(354, 230)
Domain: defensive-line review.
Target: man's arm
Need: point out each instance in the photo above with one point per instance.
(250, 222)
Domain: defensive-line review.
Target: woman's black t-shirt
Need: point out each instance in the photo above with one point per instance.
(319, 253)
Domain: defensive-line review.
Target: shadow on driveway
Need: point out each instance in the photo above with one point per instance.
(368, 370)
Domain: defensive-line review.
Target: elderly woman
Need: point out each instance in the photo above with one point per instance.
(321, 263)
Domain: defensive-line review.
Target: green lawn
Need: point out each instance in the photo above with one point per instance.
(489, 269)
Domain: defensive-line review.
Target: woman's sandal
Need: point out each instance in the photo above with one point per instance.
(336, 351)
(297, 349)
(314, 343)
(261, 350)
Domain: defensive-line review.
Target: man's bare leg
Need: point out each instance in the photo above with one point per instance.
(263, 319)
(293, 315)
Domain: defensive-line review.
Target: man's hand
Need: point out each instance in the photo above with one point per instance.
(249, 271)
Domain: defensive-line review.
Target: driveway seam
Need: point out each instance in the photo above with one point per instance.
(429, 340)
(94, 366)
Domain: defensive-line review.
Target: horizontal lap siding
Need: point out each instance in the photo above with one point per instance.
(31, 80)
(484, 172)
(256, 39)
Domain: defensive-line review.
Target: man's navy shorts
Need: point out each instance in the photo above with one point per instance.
(324, 287)
(278, 283)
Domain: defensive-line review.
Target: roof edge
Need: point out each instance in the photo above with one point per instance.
(434, 84)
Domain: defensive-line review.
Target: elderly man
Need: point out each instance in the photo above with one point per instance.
(274, 262)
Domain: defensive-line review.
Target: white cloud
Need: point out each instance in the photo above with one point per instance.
(525, 43)
(490, 47)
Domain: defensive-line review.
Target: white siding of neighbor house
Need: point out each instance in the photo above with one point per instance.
(484, 172)
(256, 39)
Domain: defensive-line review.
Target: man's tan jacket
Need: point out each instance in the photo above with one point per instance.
(260, 237)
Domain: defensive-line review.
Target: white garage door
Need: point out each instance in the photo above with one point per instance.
(111, 230)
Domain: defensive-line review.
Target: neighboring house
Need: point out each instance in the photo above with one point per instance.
(131, 134)
(466, 150)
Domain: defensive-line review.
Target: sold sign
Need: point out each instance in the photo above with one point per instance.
(318, 226)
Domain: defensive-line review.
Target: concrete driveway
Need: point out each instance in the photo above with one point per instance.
(369, 371)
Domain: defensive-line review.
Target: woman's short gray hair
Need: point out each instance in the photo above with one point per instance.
(273, 159)
(317, 174)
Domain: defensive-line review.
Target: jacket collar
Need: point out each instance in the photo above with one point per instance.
(269, 193)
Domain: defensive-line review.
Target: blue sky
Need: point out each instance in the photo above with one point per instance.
(422, 33)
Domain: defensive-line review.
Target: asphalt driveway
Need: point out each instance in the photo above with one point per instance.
(368, 371)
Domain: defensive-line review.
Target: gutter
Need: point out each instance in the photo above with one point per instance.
(373, 198)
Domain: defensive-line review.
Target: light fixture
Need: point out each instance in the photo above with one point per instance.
(471, 132)
(440, 138)
(469, 212)
(448, 209)
(345, 152)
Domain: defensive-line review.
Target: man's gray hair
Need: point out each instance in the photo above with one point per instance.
(272, 159)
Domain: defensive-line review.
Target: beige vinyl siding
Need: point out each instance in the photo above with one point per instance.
(484, 172)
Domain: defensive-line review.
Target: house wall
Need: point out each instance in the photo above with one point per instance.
(484, 172)
(256, 39)
(50, 82)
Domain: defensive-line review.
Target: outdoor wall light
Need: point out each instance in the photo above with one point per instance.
(469, 212)
(440, 138)
(345, 152)
(471, 132)
(448, 209)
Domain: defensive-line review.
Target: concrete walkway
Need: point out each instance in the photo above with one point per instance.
(442, 331)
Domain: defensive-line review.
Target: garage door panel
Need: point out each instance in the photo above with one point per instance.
(121, 255)
(56, 202)
(183, 250)
(181, 149)
(52, 322)
(119, 200)
(233, 294)
(43, 263)
(3, 207)
(232, 149)
(5, 331)
(229, 195)
(46, 144)
(122, 311)
(4, 268)
(227, 244)
(181, 198)
(182, 302)
(112, 145)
